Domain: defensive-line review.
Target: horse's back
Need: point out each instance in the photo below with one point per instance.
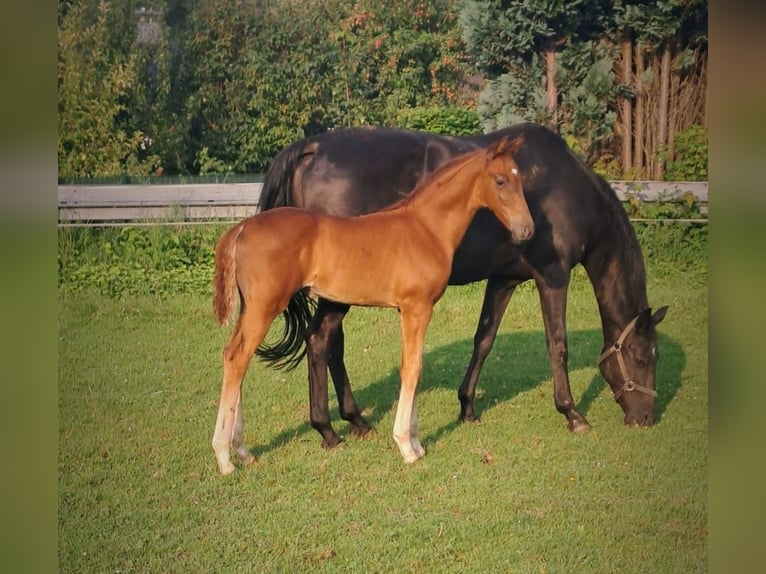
(355, 171)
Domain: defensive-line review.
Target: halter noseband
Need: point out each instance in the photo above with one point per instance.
(628, 384)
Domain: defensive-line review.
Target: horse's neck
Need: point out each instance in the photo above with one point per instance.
(618, 275)
(447, 206)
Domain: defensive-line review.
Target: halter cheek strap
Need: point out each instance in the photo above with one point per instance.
(628, 384)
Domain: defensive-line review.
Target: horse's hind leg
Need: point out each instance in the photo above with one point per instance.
(248, 334)
(349, 411)
(324, 343)
(244, 455)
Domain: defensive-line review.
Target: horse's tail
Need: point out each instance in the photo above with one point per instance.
(225, 289)
(278, 182)
(289, 350)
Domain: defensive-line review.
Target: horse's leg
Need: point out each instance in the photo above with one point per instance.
(414, 323)
(318, 334)
(324, 344)
(496, 297)
(553, 301)
(349, 411)
(244, 455)
(248, 334)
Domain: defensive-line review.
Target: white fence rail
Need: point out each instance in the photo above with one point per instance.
(201, 203)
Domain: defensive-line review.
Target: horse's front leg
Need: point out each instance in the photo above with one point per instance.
(553, 301)
(414, 323)
(496, 297)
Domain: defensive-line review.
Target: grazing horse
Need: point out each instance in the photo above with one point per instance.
(400, 257)
(578, 219)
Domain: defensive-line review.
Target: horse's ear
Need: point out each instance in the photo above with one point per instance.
(659, 315)
(497, 149)
(646, 319)
(504, 147)
(514, 146)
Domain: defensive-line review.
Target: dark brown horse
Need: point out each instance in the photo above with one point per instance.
(578, 219)
(400, 257)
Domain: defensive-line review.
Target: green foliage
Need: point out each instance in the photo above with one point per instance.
(95, 80)
(209, 165)
(671, 245)
(514, 97)
(691, 156)
(442, 120)
(655, 23)
(137, 260)
(233, 81)
(585, 110)
(227, 83)
(498, 35)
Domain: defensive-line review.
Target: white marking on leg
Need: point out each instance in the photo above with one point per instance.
(244, 455)
(402, 426)
(414, 437)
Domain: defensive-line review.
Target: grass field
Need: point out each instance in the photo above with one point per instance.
(139, 381)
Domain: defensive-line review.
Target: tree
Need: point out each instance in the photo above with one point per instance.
(663, 77)
(95, 79)
(504, 37)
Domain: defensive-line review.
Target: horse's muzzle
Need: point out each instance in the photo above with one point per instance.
(641, 419)
(522, 232)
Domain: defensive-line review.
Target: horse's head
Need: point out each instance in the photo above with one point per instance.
(630, 365)
(502, 191)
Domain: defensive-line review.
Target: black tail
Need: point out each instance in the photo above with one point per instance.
(289, 350)
(278, 182)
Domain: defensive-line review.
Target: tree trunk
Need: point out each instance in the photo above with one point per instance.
(627, 107)
(674, 113)
(638, 142)
(662, 120)
(551, 91)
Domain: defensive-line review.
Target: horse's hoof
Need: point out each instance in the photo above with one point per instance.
(247, 460)
(362, 431)
(579, 427)
(411, 459)
(469, 419)
(226, 469)
(334, 445)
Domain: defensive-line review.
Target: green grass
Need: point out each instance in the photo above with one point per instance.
(139, 380)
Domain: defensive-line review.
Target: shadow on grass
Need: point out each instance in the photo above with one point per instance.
(518, 363)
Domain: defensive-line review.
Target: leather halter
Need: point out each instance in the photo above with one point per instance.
(628, 384)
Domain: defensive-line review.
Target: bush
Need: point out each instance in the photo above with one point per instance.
(164, 260)
(691, 156)
(452, 121)
(138, 260)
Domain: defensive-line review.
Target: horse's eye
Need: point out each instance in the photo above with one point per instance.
(499, 181)
(640, 362)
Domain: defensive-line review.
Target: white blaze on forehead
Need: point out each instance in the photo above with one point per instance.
(514, 171)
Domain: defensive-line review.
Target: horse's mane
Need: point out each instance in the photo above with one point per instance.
(444, 172)
(624, 246)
